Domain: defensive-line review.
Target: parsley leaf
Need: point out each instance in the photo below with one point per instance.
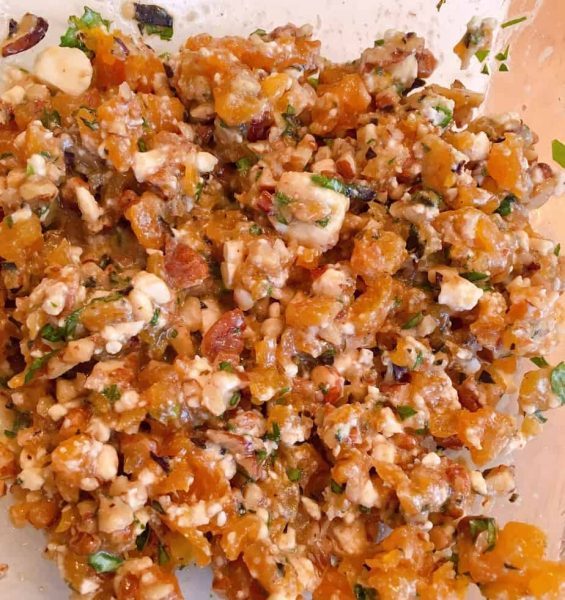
(505, 207)
(112, 392)
(479, 524)
(405, 412)
(539, 361)
(413, 321)
(104, 562)
(36, 365)
(557, 379)
(294, 474)
(336, 488)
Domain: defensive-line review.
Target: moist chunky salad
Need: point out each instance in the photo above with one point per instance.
(265, 313)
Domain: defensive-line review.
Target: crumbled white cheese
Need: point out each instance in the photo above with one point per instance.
(456, 292)
(89, 208)
(152, 286)
(55, 298)
(148, 163)
(205, 162)
(32, 478)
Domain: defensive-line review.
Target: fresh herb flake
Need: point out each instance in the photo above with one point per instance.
(479, 524)
(503, 67)
(112, 392)
(142, 539)
(505, 207)
(104, 562)
(155, 317)
(474, 276)
(405, 412)
(413, 321)
(360, 592)
(539, 361)
(557, 379)
(36, 365)
(294, 474)
(336, 488)
(162, 555)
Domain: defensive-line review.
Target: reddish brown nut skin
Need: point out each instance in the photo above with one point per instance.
(36, 29)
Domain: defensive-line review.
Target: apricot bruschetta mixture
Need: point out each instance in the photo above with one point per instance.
(268, 313)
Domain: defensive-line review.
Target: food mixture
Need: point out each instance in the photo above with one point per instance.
(265, 313)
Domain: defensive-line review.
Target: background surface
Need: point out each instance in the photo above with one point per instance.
(534, 86)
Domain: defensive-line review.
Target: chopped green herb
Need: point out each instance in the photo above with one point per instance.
(90, 124)
(513, 22)
(156, 505)
(323, 222)
(104, 562)
(162, 555)
(29, 170)
(163, 31)
(330, 183)
(505, 207)
(294, 474)
(503, 55)
(21, 421)
(419, 360)
(112, 392)
(236, 397)
(50, 119)
(244, 164)
(474, 276)
(275, 436)
(36, 365)
(155, 317)
(51, 333)
(142, 539)
(447, 115)
(482, 54)
(503, 67)
(479, 524)
(255, 229)
(261, 454)
(405, 412)
(360, 592)
(413, 321)
(292, 122)
(141, 145)
(282, 199)
(226, 366)
(259, 31)
(557, 379)
(199, 189)
(557, 250)
(90, 19)
(422, 431)
(379, 42)
(336, 488)
(9, 221)
(539, 361)
(558, 152)
(440, 4)
(485, 70)
(314, 82)
(540, 417)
